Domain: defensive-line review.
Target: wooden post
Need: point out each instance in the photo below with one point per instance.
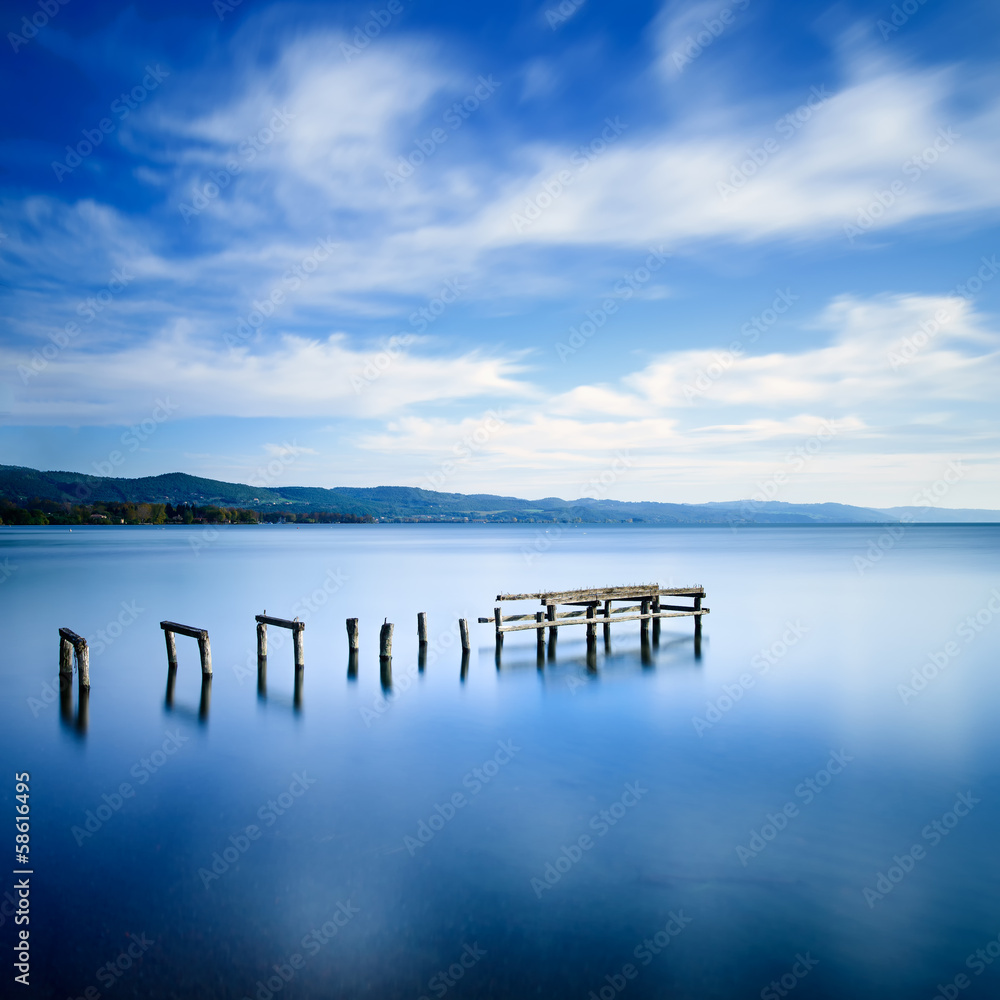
(656, 621)
(352, 633)
(550, 613)
(540, 636)
(171, 650)
(644, 624)
(463, 631)
(297, 689)
(463, 670)
(422, 628)
(205, 651)
(83, 663)
(385, 642)
(697, 629)
(385, 672)
(261, 646)
(65, 658)
(352, 664)
(498, 619)
(607, 627)
(297, 648)
(591, 625)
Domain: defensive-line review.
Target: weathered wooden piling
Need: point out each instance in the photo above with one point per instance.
(352, 664)
(65, 656)
(656, 621)
(591, 625)
(69, 644)
(293, 625)
(644, 621)
(171, 649)
(204, 649)
(422, 628)
(540, 636)
(498, 618)
(261, 645)
(352, 634)
(607, 627)
(463, 631)
(385, 641)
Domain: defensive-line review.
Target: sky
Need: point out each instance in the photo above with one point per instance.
(685, 252)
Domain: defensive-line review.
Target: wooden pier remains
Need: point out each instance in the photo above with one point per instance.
(170, 629)
(69, 644)
(595, 606)
(294, 626)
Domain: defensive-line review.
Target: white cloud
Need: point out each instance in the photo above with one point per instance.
(871, 420)
(297, 377)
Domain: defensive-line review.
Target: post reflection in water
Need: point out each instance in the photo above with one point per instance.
(205, 700)
(675, 650)
(206, 697)
(80, 720)
(385, 672)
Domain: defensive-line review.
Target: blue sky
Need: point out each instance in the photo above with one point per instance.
(682, 252)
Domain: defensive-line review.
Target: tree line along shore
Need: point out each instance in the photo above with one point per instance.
(38, 511)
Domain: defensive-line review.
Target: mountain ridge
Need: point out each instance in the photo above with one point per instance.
(20, 484)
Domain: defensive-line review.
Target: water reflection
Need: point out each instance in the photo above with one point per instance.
(79, 721)
(204, 703)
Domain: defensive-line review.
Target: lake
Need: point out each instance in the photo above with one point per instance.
(808, 805)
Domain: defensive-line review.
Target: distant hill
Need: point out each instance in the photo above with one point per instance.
(398, 503)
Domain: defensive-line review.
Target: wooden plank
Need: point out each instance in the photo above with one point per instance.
(188, 630)
(604, 593)
(600, 612)
(528, 618)
(611, 621)
(295, 626)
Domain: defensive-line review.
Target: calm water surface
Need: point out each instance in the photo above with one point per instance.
(785, 814)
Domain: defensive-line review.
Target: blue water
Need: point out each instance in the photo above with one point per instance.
(668, 825)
